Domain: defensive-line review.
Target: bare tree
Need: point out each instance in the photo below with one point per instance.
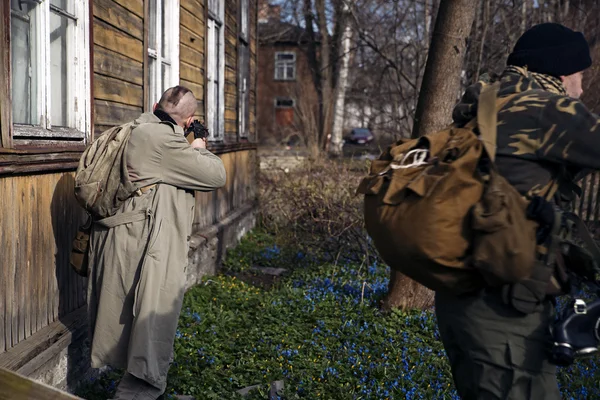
(441, 81)
(335, 147)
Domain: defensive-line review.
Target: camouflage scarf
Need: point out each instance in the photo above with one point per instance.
(547, 82)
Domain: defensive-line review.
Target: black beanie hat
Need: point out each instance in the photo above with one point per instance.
(551, 49)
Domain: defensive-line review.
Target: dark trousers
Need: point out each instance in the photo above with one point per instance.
(495, 351)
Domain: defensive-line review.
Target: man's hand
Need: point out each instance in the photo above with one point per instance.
(199, 144)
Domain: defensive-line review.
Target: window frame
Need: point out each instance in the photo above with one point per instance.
(45, 137)
(173, 7)
(286, 62)
(216, 22)
(244, 69)
(244, 21)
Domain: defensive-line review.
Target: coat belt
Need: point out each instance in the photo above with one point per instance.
(124, 218)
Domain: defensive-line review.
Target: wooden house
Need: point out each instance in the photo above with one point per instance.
(287, 97)
(69, 69)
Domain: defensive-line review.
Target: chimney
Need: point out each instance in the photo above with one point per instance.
(268, 12)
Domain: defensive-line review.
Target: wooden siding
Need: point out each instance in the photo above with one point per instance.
(192, 70)
(118, 62)
(38, 211)
(231, 93)
(239, 190)
(253, 135)
(39, 218)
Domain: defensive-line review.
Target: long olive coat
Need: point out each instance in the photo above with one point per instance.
(138, 257)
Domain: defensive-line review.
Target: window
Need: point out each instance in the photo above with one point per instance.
(284, 102)
(163, 47)
(285, 66)
(215, 73)
(244, 35)
(284, 111)
(244, 70)
(49, 44)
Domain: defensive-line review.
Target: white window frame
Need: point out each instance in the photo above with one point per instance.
(80, 119)
(243, 70)
(285, 63)
(215, 70)
(245, 20)
(171, 34)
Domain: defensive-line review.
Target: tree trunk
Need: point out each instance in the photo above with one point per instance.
(485, 24)
(335, 148)
(439, 89)
(325, 68)
(441, 81)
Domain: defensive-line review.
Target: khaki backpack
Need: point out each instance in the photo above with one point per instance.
(439, 212)
(102, 182)
(101, 185)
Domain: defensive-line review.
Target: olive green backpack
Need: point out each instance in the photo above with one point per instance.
(439, 212)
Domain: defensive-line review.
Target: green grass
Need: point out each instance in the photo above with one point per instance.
(318, 330)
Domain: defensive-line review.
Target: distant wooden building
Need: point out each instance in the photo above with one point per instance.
(287, 100)
(70, 69)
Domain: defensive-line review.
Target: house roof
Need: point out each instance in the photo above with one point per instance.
(279, 32)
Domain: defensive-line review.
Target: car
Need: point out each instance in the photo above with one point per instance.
(360, 136)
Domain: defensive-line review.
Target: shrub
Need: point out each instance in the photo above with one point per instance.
(314, 208)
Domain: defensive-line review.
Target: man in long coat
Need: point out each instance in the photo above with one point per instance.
(138, 256)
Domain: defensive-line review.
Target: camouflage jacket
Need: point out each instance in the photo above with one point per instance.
(539, 130)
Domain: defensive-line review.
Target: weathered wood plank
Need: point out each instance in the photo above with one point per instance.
(106, 88)
(191, 73)
(230, 114)
(100, 129)
(7, 257)
(18, 387)
(230, 61)
(231, 89)
(191, 56)
(119, 16)
(194, 6)
(29, 296)
(230, 75)
(111, 38)
(191, 21)
(191, 39)
(135, 6)
(45, 226)
(115, 65)
(21, 354)
(110, 113)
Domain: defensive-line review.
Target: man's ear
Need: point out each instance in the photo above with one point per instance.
(562, 78)
(154, 107)
(189, 121)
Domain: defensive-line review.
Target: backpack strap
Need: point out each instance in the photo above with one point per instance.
(487, 118)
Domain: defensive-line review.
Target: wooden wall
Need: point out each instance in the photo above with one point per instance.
(231, 95)
(38, 213)
(253, 137)
(192, 49)
(239, 190)
(118, 62)
(39, 217)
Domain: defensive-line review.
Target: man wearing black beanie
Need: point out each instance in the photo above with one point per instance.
(498, 339)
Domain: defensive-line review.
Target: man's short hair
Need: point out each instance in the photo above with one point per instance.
(179, 102)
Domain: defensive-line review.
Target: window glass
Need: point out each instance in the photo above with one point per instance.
(24, 54)
(59, 79)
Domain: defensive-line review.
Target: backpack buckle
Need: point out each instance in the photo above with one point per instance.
(419, 158)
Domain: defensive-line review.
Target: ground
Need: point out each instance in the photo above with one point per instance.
(316, 329)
